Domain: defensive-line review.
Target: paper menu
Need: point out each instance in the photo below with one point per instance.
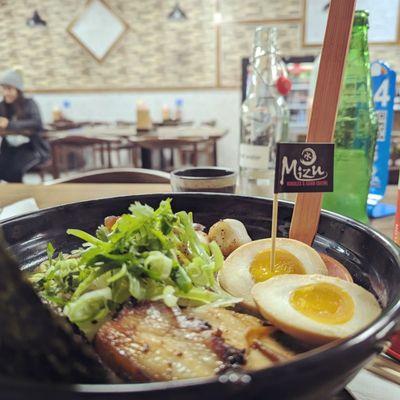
(18, 208)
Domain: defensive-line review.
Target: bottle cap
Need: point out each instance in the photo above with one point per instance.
(266, 38)
(140, 104)
(361, 17)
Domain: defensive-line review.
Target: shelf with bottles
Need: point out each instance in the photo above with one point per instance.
(298, 86)
(394, 161)
(396, 106)
(299, 71)
(297, 106)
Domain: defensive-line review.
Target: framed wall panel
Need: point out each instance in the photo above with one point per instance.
(251, 10)
(384, 21)
(97, 28)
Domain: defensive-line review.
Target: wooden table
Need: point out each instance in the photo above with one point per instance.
(49, 196)
(162, 132)
(128, 135)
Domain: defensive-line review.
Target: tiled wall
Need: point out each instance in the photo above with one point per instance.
(155, 53)
(236, 43)
(249, 10)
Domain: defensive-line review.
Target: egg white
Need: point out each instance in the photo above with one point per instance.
(235, 276)
(273, 300)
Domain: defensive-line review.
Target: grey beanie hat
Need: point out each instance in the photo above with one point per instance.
(13, 77)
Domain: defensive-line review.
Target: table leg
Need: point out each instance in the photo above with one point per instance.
(55, 167)
(215, 159)
(118, 155)
(195, 155)
(102, 161)
(172, 158)
(109, 155)
(133, 154)
(146, 158)
(162, 160)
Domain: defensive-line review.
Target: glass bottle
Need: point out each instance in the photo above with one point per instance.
(356, 129)
(264, 115)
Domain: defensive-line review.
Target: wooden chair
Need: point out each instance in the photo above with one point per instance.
(64, 147)
(162, 143)
(133, 153)
(116, 175)
(42, 169)
(208, 148)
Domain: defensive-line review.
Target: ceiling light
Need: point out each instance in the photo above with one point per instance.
(36, 20)
(177, 14)
(217, 17)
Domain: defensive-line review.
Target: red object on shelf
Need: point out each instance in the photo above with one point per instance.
(396, 234)
(283, 85)
(297, 69)
(394, 349)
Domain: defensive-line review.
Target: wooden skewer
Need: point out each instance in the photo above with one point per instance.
(323, 115)
(386, 368)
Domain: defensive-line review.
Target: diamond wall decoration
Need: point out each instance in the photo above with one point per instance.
(97, 28)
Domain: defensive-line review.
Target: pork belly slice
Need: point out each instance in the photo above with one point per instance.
(152, 342)
(262, 343)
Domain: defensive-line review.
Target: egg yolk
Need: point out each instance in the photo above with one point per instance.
(285, 263)
(323, 302)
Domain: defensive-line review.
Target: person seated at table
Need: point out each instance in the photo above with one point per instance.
(22, 146)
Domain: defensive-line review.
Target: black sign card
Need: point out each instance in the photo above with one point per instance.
(304, 167)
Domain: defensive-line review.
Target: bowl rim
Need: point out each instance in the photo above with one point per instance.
(230, 173)
(377, 330)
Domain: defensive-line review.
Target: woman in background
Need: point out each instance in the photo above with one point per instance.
(20, 129)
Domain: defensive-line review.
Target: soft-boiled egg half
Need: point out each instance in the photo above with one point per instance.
(250, 264)
(315, 308)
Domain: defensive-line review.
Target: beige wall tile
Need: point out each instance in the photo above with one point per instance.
(155, 52)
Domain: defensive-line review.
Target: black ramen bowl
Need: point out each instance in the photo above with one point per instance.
(373, 261)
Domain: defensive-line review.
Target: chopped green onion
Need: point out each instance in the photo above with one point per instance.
(149, 254)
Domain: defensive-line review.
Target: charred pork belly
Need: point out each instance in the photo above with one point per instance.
(152, 342)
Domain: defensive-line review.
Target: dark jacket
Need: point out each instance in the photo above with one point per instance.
(31, 121)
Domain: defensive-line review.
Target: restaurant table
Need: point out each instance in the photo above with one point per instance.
(365, 386)
(48, 196)
(160, 134)
(53, 195)
(115, 131)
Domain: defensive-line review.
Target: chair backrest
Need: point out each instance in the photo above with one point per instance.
(74, 140)
(157, 142)
(211, 122)
(116, 175)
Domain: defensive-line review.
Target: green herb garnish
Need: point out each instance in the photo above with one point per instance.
(148, 255)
